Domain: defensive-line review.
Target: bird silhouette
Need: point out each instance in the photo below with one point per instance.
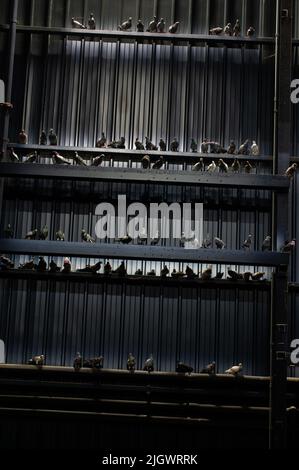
(174, 27)
(79, 160)
(149, 364)
(77, 24)
(97, 161)
(140, 26)
(92, 21)
(126, 25)
(199, 166)
(237, 28)
(23, 138)
(234, 370)
(52, 137)
(216, 31)
(101, 143)
(161, 26)
(228, 30)
(43, 140)
(131, 363)
(206, 275)
(152, 27)
(209, 369)
(267, 244)
(31, 158)
(291, 171)
(182, 368)
(158, 164)
(85, 237)
(59, 159)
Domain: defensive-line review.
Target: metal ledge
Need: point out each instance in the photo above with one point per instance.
(185, 178)
(133, 252)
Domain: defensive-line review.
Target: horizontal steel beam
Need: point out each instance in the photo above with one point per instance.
(117, 251)
(185, 178)
(144, 37)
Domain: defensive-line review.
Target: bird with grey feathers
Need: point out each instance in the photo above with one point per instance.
(247, 243)
(207, 242)
(31, 235)
(146, 162)
(31, 158)
(223, 167)
(237, 29)
(13, 156)
(204, 146)
(152, 27)
(92, 21)
(52, 137)
(174, 27)
(23, 138)
(291, 171)
(60, 236)
(267, 244)
(289, 246)
(79, 160)
(126, 25)
(97, 161)
(199, 166)
(231, 148)
(158, 164)
(139, 145)
(234, 370)
(236, 166)
(140, 26)
(220, 245)
(43, 234)
(43, 140)
(216, 31)
(162, 145)
(245, 148)
(161, 26)
(149, 364)
(118, 144)
(228, 30)
(182, 368)
(174, 146)
(149, 145)
(101, 143)
(85, 237)
(77, 24)
(59, 159)
(131, 363)
(193, 146)
(209, 369)
(67, 266)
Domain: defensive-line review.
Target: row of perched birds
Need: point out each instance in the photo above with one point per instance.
(206, 275)
(230, 30)
(148, 366)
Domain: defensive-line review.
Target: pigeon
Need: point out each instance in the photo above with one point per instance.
(152, 27)
(257, 276)
(206, 275)
(177, 274)
(161, 26)
(43, 235)
(267, 244)
(60, 236)
(151, 273)
(107, 269)
(247, 243)
(158, 164)
(92, 21)
(37, 361)
(204, 147)
(190, 273)
(250, 31)
(86, 237)
(216, 31)
(209, 369)
(223, 167)
(77, 24)
(174, 146)
(59, 159)
(97, 362)
(146, 162)
(118, 144)
(291, 171)
(228, 30)
(67, 265)
(139, 272)
(174, 27)
(126, 25)
(43, 140)
(193, 146)
(23, 138)
(236, 166)
(131, 363)
(219, 243)
(162, 145)
(234, 370)
(139, 145)
(91, 269)
(247, 276)
(164, 271)
(8, 232)
(149, 364)
(182, 368)
(28, 266)
(125, 240)
(140, 26)
(53, 267)
(52, 137)
(207, 243)
(155, 240)
(248, 167)
(101, 143)
(212, 167)
(289, 246)
(32, 158)
(6, 263)
(231, 148)
(233, 275)
(219, 275)
(149, 145)
(78, 361)
(255, 149)
(199, 166)
(42, 265)
(31, 235)
(237, 28)
(215, 147)
(13, 156)
(97, 161)
(121, 270)
(79, 160)
(245, 148)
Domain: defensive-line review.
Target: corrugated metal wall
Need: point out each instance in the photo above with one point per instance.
(82, 88)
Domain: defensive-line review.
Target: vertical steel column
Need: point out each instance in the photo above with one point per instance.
(281, 158)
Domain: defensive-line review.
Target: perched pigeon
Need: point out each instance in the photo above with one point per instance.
(216, 31)
(53, 267)
(234, 370)
(209, 369)
(60, 236)
(248, 167)
(219, 275)
(131, 363)
(206, 275)
(28, 266)
(207, 243)
(92, 21)
(126, 25)
(161, 26)
(52, 137)
(151, 273)
(182, 368)
(223, 167)
(32, 158)
(233, 275)
(86, 237)
(23, 138)
(152, 27)
(204, 147)
(140, 26)
(59, 159)
(149, 145)
(228, 30)
(67, 266)
(177, 274)
(121, 270)
(97, 362)
(126, 240)
(139, 145)
(8, 232)
(101, 143)
(31, 235)
(138, 272)
(77, 24)
(231, 148)
(247, 243)
(247, 276)
(174, 27)
(212, 167)
(245, 148)
(93, 269)
(78, 361)
(174, 146)
(164, 271)
(37, 361)
(236, 166)
(42, 265)
(158, 164)
(193, 146)
(255, 149)
(97, 161)
(237, 28)
(289, 246)
(216, 147)
(190, 273)
(257, 276)
(43, 140)
(43, 235)
(79, 160)
(219, 243)
(291, 171)
(149, 364)
(199, 166)
(267, 244)
(146, 162)
(107, 269)
(250, 32)
(13, 156)
(6, 263)
(118, 144)
(162, 145)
